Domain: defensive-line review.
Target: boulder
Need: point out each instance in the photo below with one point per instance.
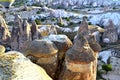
(62, 42)
(14, 66)
(45, 53)
(41, 48)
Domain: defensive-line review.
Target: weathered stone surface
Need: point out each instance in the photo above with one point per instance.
(62, 42)
(4, 32)
(83, 29)
(41, 48)
(46, 30)
(2, 49)
(69, 75)
(78, 61)
(25, 36)
(45, 54)
(16, 34)
(50, 64)
(15, 66)
(35, 33)
(15, 38)
(110, 35)
(94, 44)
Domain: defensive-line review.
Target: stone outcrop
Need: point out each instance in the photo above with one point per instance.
(110, 35)
(35, 33)
(46, 30)
(63, 43)
(4, 32)
(25, 36)
(14, 66)
(16, 32)
(2, 49)
(78, 61)
(45, 53)
(95, 46)
(21, 33)
(81, 59)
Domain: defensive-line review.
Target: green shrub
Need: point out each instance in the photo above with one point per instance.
(53, 19)
(114, 8)
(60, 24)
(43, 19)
(89, 23)
(38, 22)
(107, 67)
(38, 12)
(67, 18)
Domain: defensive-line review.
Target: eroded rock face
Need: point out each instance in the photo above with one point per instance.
(15, 66)
(94, 44)
(46, 30)
(110, 35)
(78, 61)
(45, 54)
(62, 42)
(35, 33)
(25, 36)
(2, 49)
(4, 32)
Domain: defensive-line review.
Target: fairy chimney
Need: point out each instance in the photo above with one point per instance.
(45, 53)
(25, 36)
(96, 48)
(110, 35)
(15, 38)
(4, 32)
(83, 29)
(18, 22)
(35, 33)
(78, 61)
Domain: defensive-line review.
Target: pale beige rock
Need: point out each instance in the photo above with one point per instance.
(44, 52)
(4, 32)
(15, 66)
(2, 49)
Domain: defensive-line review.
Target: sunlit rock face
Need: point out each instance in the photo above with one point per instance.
(2, 49)
(62, 42)
(4, 32)
(110, 35)
(14, 66)
(46, 30)
(78, 61)
(44, 52)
